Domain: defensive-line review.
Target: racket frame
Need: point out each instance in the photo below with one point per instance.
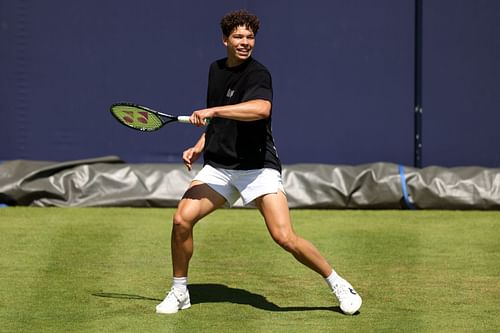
(163, 117)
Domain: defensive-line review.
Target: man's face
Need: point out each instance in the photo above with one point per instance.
(239, 45)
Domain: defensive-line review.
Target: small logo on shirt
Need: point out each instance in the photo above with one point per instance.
(229, 93)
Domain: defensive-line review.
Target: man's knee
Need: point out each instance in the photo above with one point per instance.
(182, 223)
(288, 241)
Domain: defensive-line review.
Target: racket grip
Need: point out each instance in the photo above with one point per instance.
(183, 119)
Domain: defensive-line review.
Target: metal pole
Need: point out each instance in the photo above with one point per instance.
(418, 86)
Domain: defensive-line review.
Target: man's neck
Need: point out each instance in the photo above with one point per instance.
(235, 62)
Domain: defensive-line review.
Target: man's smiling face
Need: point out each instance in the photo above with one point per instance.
(239, 45)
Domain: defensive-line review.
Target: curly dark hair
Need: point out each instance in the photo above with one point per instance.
(238, 18)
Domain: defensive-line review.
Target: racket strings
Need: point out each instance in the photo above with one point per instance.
(136, 118)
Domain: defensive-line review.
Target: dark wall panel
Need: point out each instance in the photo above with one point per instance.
(461, 90)
(69, 60)
(342, 74)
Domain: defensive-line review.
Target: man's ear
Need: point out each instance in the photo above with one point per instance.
(224, 40)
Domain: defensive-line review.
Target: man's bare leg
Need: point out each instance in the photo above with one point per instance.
(274, 208)
(198, 201)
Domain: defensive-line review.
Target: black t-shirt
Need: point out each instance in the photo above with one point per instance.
(239, 145)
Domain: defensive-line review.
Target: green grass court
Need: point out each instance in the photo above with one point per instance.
(105, 269)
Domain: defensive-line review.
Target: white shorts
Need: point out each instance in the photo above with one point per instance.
(247, 184)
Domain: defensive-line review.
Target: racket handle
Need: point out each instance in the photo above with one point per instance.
(183, 119)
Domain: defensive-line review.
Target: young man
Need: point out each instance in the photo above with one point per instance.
(240, 161)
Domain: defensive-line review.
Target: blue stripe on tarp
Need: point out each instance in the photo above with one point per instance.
(406, 197)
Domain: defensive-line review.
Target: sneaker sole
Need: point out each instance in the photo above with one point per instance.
(355, 308)
(184, 307)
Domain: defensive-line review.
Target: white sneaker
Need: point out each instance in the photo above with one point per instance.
(349, 300)
(176, 300)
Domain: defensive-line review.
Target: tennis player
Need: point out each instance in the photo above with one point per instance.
(240, 160)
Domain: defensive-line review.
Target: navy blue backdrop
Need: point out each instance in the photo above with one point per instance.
(348, 65)
(461, 82)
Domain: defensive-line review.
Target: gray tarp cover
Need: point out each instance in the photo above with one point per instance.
(108, 181)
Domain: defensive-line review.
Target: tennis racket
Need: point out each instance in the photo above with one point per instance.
(142, 118)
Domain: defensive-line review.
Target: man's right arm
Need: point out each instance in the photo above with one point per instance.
(192, 154)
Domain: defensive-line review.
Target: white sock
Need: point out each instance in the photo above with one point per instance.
(332, 279)
(180, 283)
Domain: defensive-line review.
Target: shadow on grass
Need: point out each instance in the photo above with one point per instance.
(126, 296)
(218, 293)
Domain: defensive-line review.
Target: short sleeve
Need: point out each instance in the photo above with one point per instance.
(258, 86)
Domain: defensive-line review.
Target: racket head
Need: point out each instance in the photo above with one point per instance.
(137, 116)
